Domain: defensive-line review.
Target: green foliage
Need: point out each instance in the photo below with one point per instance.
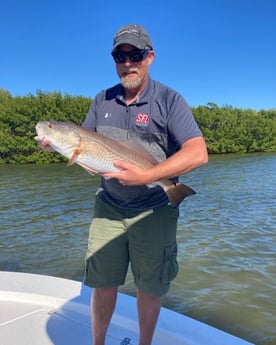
(19, 115)
(232, 130)
(226, 129)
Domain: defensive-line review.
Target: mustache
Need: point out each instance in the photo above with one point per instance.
(131, 69)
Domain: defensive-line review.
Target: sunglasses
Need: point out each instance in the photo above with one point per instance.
(135, 55)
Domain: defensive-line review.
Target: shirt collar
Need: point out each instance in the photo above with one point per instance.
(143, 98)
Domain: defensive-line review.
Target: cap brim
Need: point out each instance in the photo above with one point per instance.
(131, 41)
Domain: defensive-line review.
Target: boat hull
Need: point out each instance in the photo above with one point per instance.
(42, 310)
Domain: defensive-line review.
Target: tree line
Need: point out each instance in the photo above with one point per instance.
(226, 129)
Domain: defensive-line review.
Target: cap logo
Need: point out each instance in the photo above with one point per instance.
(129, 31)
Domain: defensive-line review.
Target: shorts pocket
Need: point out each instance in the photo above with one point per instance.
(169, 267)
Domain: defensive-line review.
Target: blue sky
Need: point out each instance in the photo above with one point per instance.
(221, 51)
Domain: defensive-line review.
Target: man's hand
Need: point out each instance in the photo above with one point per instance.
(44, 145)
(128, 174)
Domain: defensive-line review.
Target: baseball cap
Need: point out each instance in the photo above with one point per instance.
(132, 34)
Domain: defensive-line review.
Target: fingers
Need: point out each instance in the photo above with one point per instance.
(44, 145)
(128, 174)
(121, 165)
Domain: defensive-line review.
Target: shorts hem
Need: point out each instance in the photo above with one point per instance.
(101, 285)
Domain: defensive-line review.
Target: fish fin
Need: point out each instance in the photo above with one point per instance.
(74, 157)
(88, 169)
(177, 192)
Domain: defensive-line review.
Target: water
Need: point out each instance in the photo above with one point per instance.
(226, 236)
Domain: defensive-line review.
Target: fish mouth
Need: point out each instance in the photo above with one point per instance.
(39, 135)
(39, 130)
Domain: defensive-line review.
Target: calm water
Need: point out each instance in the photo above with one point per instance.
(227, 240)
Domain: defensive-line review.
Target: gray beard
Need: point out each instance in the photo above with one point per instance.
(133, 84)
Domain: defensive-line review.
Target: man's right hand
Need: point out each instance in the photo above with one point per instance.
(44, 145)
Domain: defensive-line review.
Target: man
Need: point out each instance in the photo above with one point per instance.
(133, 223)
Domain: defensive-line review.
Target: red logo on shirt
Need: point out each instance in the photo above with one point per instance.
(142, 119)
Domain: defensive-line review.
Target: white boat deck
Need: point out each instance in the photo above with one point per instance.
(43, 310)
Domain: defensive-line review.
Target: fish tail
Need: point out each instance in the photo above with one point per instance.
(177, 192)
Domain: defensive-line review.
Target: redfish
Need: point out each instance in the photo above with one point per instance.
(96, 153)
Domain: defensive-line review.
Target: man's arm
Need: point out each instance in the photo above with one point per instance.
(192, 154)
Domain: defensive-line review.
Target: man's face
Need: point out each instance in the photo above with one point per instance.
(133, 75)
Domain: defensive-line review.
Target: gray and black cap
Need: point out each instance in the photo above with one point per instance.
(132, 34)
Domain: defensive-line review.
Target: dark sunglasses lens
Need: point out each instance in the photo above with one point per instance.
(119, 56)
(134, 56)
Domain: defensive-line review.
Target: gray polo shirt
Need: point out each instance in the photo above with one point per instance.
(159, 120)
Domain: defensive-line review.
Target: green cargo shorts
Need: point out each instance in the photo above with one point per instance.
(146, 240)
